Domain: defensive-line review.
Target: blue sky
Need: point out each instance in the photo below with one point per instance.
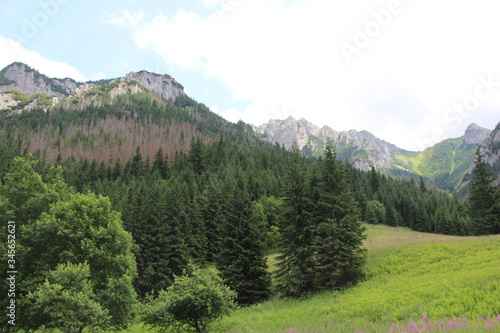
(411, 72)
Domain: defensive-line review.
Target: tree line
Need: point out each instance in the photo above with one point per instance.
(96, 239)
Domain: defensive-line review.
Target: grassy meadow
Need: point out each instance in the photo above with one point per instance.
(415, 282)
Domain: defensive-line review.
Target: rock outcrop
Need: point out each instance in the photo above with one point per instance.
(362, 149)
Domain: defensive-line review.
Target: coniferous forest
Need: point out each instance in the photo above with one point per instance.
(123, 207)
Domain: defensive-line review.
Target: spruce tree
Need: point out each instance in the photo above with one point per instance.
(161, 250)
(295, 272)
(240, 258)
(160, 164)
(484, 199)
(338, 233)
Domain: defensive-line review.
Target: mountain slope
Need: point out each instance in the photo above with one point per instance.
(105, 120)
(490, 149)
(445, 164)
(24, 88)
(362, 149)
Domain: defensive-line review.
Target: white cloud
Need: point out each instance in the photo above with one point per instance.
(99, 76)
(126, 19)
(13, 51)
(287, 56)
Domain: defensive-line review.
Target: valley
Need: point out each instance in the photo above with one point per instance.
(137, 203)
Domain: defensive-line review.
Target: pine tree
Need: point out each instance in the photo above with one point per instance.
(161, 251)
(295, 272)
(421, 185)
(338, 233)
(374, 180)
(160, 164)
(240, 258)
(484, 199)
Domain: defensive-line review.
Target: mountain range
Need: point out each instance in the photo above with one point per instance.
(444, 164)
(447, 164)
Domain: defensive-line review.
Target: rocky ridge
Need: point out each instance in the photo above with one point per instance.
(363, 149)
(22, 88)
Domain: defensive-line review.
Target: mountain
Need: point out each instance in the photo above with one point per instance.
(444, 164)
(24, 88)
(106, 120)
(447, 162)
(107, 127)
(490, 149)
(362, 149)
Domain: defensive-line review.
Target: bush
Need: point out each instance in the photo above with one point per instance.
(192, 302)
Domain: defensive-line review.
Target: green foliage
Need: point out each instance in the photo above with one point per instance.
(484, 199)
(267, 214)
(409, 275)
(240, 258)
(294, 275)
(322, 243)
(193, 302)
(66, 301)
(149, 213)
(446, 163)
(375, 212)
(338, 235)
(26, 195)
(83, 228)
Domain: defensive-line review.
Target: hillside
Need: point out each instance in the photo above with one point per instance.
(107, 130)
(183, 185)
(105, 120)
(449, 283)
(490, 149)
(444, 164)
(362, 149)
(447, 162)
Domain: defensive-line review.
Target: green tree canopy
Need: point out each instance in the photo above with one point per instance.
(82, 229)
(66, 301)
(193, 302)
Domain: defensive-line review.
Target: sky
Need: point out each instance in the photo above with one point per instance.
(412, 72)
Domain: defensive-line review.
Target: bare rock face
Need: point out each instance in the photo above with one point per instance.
(7, 101)
(362, 149)
(475, 135)
(163, 85)
(490, 149)
(21, 77)
(26, 80)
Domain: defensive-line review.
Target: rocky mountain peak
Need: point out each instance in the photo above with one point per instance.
(362, 148)
(21, 87)
(475, 135)
(21, 77)
(163, 85)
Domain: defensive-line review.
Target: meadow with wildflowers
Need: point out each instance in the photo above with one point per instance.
(415, 282)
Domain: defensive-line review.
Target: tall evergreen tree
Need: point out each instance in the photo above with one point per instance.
(374, 179)
(484, 199)
(161, 251)
(160, 164)
(338, 233)
(240, 258)
(295, 273)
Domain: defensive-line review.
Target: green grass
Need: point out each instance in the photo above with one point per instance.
(414, 281)
(409, 275)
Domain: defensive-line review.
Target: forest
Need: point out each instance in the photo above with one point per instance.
(120, 208)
